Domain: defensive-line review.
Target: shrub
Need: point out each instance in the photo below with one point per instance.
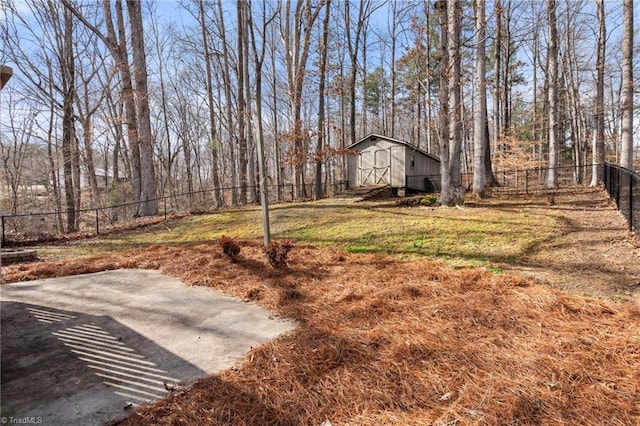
(230, 247)
(429, 200)
(278, 252)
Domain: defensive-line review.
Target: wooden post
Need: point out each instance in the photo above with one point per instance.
(630, 201)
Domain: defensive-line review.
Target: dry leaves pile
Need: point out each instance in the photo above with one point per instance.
(385, 341)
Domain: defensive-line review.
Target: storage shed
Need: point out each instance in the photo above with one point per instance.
(385, 161)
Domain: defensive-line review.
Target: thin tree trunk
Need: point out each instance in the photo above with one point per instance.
(226, 79)
(262, 169)
(597, 172)
(480, 111)
(68, 126)
(394, 11)
(127, 97)
(626, 101)
(213, 143)
(276, 121)
(149, 203)
(455, 196)
(51, 156)
(297, 41)
(497, 69)
(552, 77)
(443, 95)
(242, 106)
(319, 193)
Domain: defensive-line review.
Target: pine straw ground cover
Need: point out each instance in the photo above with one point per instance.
(389, 341)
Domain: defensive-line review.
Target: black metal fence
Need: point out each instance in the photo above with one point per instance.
(519, 180)
(623, 185)
(46, 226)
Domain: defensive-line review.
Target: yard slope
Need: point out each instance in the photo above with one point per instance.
(389, 341)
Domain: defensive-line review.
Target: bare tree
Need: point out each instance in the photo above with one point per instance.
(497, 70)
(116, 41)
(480, 107)
(597, 173)
(149, 202)
(67, 65)
(552, 96)
(321, 112)
(14, 149)
(296, 32)
(258, 56)
(226, 79)
(626, 101)
(451, 192)
(213, 135)
(242, 56)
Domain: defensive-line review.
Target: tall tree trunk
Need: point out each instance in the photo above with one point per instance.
(451, 192)
(149, 203)
(552, 94)
(87, 122)
(168, 163)
(480, 105)
(249, 170)
(262, 169)
(535, 117)
(443, 97)
(68, 124)
(626, 101)
(597, 172)
(497, 69)
(51, 157)
(394, 23)
(119, 51)
(428, 85)
(506, 64)
(455, 196)
(213, 136)
(491, 180)
(297, 42)
(242, 105)
(226, 80)
(276, 121)
(319, 193)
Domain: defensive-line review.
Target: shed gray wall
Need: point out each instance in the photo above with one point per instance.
(378, 154)
(424, 165)
(400, 163)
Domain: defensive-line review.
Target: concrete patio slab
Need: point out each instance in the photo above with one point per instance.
(83, 350)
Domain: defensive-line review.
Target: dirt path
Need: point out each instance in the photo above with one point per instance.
(592, 252)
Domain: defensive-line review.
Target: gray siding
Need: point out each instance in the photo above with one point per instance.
(398, 161)
(387, 162)
(424, 165)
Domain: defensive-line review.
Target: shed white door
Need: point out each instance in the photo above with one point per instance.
(375, 168)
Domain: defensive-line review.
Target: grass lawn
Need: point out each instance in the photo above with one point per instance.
(478, 235)
(390, 334)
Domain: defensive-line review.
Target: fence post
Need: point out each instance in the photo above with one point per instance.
(526, 181)
(630, 202)
(618, 187)
(4, 241)
(97, 223)
(165, 207)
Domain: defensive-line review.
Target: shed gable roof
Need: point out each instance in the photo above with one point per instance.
(405, 143)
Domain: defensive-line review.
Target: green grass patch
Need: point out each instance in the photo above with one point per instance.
(470, 237)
